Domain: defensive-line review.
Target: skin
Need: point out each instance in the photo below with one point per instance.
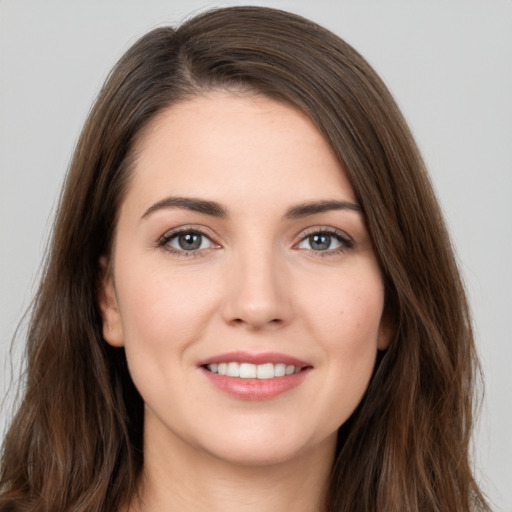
(257, 284)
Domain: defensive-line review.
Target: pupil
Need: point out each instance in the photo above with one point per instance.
(189, 241)
(320, 242)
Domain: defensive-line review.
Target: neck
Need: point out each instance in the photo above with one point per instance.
(182, 478)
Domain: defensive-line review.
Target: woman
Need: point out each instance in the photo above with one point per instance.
(250, 300)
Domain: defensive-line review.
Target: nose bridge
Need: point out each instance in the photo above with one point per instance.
(256, 295)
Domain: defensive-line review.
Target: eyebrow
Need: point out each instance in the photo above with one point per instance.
(217, 210)
(305, 209)
(188, 203)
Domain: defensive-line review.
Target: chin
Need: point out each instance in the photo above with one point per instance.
(260, 446)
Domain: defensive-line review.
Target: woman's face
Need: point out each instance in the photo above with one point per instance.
(244, 286)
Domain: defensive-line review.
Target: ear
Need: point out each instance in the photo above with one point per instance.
(112, 326)
(386, 331)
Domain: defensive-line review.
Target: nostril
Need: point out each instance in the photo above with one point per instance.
(257, 325)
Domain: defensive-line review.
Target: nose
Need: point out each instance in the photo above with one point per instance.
(258, 292)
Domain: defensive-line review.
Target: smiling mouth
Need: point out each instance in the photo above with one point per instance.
(255, 377)
(253, 371)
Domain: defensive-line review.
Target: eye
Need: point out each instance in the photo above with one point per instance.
(325, 241)
(186, 241)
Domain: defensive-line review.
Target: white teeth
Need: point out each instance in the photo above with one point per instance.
(265, 371)
(253, 371)
(280, 370)
(248, 371)
(233, 370)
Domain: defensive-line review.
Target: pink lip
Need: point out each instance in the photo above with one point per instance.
(255, 389)
(261, 358)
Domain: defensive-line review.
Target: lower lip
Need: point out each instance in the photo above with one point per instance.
(256, 389)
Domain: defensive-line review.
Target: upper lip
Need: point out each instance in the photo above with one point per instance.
(254, 358)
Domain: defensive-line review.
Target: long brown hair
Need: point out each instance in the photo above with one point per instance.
(76, 441)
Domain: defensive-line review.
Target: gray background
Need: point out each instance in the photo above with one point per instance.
(448, 63)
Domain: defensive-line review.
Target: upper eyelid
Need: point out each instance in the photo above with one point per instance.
(324, 229)
(202, 230)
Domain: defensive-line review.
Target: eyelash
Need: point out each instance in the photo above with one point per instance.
(346, 243)
(182, 253)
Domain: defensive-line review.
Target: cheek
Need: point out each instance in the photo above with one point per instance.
(347, 312)
(163, 316)
(348, 327)
(345, 320)
(163, 311)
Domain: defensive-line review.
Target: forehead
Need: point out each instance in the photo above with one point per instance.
(228, 147)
